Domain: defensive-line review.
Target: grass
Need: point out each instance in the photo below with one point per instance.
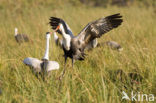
(92, 81)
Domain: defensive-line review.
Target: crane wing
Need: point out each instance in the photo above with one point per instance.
(54, 22)
(34, 63)
(97, 28)
(52, 65)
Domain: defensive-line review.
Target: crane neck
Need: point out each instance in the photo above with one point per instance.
(46, 55)
(16, 31)
(55, 36)
(65, 36)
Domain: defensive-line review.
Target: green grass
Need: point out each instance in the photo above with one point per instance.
(91, 81)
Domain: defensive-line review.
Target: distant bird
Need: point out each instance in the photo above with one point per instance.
(74, 46)
(114, 45)
(43, 65)
(21, 37)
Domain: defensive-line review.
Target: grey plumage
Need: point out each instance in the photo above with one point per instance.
(39, 66)
(93, 30)
(111, 44)
(21, 38)
(97, 28)
(114, 45)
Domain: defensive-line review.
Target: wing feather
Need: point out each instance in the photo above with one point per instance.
(52, 65)
(97, 28)
(34, 63)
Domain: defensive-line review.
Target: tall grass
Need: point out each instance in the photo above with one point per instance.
(91, 81)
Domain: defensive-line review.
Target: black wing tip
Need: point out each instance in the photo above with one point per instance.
(54, 22)
(116, 23)
(54, 17)
(115, 20)
(114, 16)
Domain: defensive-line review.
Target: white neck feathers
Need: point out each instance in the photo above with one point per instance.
(63, 31)
(46, 55)
(55, 36)
(66, 38)
(16, 31)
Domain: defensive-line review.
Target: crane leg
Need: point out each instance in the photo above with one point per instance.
(44, 71)
(73, 62)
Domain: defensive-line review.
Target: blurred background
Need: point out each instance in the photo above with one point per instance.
(94, 3)
(104, 74)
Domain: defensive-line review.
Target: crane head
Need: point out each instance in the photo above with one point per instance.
(48, 34)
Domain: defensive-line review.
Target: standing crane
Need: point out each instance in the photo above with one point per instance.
(43, 65)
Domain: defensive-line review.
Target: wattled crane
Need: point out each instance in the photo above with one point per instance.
(74, 46)
(43, 65)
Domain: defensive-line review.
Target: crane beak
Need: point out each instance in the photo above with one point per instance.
(57, 27)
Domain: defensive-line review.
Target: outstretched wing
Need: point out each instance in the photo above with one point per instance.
(34, 63)
(54, 22)
(97, 28)
(52, 65)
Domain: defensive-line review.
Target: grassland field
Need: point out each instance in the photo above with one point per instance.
(92, 81)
